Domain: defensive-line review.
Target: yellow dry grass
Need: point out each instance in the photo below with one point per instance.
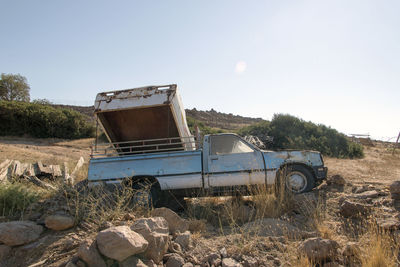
(379, 166)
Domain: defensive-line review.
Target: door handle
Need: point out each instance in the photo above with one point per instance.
(214, 158)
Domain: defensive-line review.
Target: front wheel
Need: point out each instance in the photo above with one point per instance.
(297, 179)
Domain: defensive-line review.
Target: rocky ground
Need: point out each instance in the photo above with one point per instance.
(352, 219)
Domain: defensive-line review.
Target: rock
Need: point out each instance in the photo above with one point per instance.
(229, 262)
(395, 187)
(120, 242)
(352, 209)
(249, 262)
(132, 261)
(336, 180)
(367, 194)
(155, 231)
(275, 227)
(174, 247)
(70, 264)
(175, 223)
(388, 223)
(79, 165)
(351, 250)
(188, 264)
(214, 259)
(360, 189)
(19, 232)
(43, 170)
(4, 252)
(175, 261)
(183, 239)
(59, 222)
(4, 169)
(395, 190)
(88, 253)
(318, 249)
(223, 252)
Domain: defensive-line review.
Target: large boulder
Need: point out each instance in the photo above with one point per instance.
(175, 223)
(88, 253)
(59, 222)
(19, 232)
(353, 209)
(120, 242)
(318, 249)
(155, 231)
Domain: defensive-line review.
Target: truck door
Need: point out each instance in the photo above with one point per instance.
(231, 162)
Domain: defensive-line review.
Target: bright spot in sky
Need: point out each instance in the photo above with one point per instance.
(240, 67)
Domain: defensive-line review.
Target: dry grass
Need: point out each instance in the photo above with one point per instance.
(49, 151)
(100, 204)
(379, 165)
(379, 247)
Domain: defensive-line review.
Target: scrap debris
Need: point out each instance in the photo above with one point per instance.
(14, 169)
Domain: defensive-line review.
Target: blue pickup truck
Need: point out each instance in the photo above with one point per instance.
(150, 144)
(223, 164)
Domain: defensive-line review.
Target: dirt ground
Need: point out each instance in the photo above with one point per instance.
(379, 166)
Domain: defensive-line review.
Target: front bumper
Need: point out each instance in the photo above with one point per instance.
(320, 172)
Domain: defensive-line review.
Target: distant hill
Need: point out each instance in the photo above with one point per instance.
(209, 118)
(221, 120)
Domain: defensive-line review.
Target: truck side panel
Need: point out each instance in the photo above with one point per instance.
(174, 170)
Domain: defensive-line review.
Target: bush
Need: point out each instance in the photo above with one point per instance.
(42, 121)
(290, 132)
(15, 198)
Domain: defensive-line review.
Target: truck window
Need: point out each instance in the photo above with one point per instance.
(228, 144)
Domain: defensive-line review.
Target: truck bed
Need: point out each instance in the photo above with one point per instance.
(173, 170)
(145, 113)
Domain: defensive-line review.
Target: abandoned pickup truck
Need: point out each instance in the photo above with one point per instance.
(150, 143)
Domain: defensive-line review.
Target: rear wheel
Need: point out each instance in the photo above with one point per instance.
(148, 192)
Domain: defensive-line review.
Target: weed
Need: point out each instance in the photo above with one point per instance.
(379, 247)
(101, 204)
(15, 198)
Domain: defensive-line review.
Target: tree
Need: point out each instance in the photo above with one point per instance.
(14, 87)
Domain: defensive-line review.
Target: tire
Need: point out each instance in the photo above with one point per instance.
(297, 179)
(148, 192)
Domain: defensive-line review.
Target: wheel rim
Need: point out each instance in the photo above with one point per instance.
(296, 181)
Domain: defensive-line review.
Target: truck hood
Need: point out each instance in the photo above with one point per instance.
(274, 159)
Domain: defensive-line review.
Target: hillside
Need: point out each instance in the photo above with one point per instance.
(221, 120)
(210, 118)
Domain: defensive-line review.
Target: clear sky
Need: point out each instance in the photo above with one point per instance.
(332, 62)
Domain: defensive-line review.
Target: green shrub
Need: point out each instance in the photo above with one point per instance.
(42, 121)
(15, 198)
(290, 132)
